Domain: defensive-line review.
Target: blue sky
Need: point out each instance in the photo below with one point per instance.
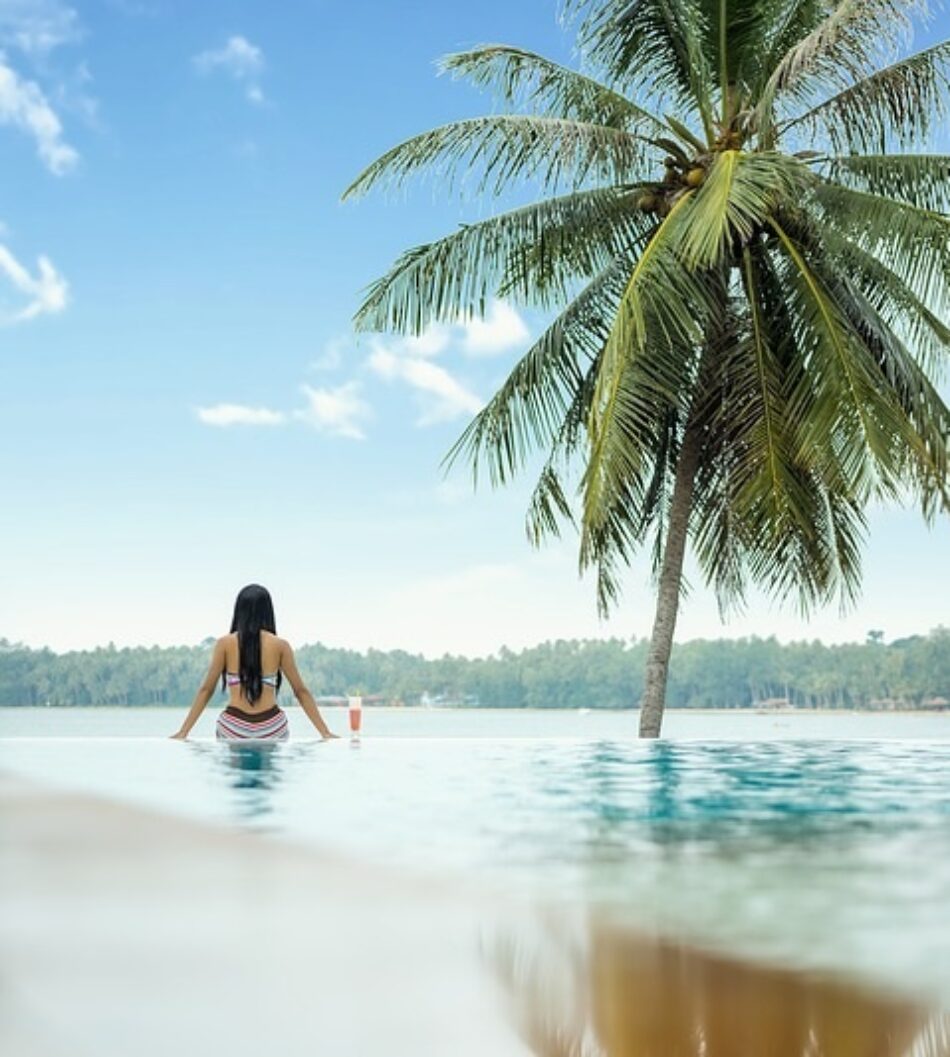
(183, 406)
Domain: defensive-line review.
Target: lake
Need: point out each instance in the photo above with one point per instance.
(813, 841)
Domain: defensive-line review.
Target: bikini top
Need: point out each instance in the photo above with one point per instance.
(234, 679)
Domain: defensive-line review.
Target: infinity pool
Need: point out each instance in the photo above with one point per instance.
(829, 854)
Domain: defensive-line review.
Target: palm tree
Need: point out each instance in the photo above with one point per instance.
(749, 253)
(594, 989)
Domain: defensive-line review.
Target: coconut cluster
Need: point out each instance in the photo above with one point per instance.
(681, 174)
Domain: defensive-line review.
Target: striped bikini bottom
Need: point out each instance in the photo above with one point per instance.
(233, 725)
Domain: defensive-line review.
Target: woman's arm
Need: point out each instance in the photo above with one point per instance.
(215, 668)
(289, 667)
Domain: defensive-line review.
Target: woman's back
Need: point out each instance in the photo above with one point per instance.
(271, 654)
(251, 662)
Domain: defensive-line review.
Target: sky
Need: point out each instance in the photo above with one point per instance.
(184, 407)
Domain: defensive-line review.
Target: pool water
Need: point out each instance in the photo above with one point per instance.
(798, 849)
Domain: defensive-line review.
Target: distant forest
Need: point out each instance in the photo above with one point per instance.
(742, 673)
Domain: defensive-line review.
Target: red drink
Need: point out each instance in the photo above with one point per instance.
(356, 714)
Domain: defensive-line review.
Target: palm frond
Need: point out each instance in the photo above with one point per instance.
(535, 253)
(523, 79)
(543, 270)
(810, 558)
(902, 102)
(897, 305)
(548, 507)
(653, 46)
(636, 512)
(762, 509)
(921, 180)
(647, 371)
(779, 493)
(811, 565)
(844, 47)
(903, 422)
(755, 416)
(816, 567)
(784, 23)
(920, 446)
(717, 542)
(731, 36)
(529, 410)
(507, 148)
(914, 243)
(635, 508)
(659, 304)
(841, 387)
(740, 192)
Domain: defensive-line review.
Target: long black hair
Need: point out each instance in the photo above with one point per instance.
(253, 613)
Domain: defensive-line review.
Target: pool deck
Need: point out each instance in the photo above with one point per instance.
(125, 932)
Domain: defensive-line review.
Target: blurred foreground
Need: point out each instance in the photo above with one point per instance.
(126, 932)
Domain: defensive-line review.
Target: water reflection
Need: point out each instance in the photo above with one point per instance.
(752, 849)
(262, 778)
(593, 990)
(253, 771)
(760, 793)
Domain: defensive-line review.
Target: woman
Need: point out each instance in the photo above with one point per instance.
(251, 662)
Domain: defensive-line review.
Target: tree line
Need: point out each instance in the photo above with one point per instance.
(729, 673)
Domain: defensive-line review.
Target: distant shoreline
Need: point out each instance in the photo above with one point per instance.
(606, 674)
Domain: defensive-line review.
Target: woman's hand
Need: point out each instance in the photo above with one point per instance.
(218, 661)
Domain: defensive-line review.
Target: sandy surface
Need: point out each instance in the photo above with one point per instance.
(125, 932)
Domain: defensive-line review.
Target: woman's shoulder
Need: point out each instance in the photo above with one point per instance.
(269, 636)
(222, 645)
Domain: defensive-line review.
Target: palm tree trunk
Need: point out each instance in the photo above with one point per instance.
(668, 593)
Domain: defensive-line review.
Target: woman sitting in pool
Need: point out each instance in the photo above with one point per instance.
(251, 662)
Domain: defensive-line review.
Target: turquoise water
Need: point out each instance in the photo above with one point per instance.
(819, 842)
(486, 723)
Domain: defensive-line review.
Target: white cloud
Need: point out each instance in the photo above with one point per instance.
(239, 415)
(500, 330)
(37, 27)
(444, 398)
(340, 412)
(430, 342)
(72, 95)
(239, 58)
(23, 105)
(46, 292)
(331, 356)
(433, 341)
